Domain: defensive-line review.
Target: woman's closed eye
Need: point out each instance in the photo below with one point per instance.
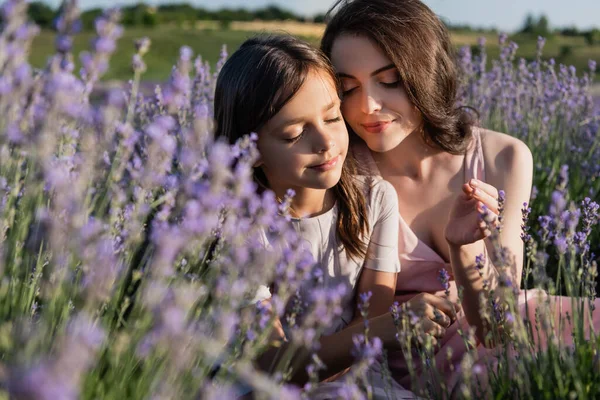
(346, 92)
(391, 85)
(388, 85)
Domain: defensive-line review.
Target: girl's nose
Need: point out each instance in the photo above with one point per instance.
(324, 143)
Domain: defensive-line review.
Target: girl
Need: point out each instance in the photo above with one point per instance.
(286, 91)
(395, 60)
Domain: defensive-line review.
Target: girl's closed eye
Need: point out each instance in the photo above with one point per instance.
(298, 137)
(333, 120)
(295, 138)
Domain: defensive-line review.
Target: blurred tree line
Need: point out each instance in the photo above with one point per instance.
(540, 26)
(145, 15)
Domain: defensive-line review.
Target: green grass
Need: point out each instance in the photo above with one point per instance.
(163, 54)
(166, 41)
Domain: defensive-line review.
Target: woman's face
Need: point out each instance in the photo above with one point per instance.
(374, 104)
(305, 144)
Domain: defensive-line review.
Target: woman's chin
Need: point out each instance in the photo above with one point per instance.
(382, 146)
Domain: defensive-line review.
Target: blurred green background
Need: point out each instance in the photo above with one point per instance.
(170, 26)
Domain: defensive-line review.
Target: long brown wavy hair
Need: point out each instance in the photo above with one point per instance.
(418, 43)
(255, 83)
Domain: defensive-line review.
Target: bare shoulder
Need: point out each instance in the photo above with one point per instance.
(505, 154)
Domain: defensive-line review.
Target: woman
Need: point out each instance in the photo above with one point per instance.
(395, 61)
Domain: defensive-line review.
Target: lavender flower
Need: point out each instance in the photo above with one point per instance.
(95, 63)
(590, 215)
(363, 304)
(61, 375)
(366, 350)
(444, 278)
(558, 204)
(525, 236)
(395, 311)
(561, 244)
(480, 263)
(501, 201)
(126, 208)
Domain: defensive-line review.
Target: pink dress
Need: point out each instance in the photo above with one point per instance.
(419, 270)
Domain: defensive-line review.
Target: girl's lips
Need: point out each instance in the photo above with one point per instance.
(326, 166)
(377, 127)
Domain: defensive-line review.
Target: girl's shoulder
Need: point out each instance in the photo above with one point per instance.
(504, 154)
(374, 185)
(379, 194)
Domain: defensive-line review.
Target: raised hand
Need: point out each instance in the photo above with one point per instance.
(485, 193)
(465, 225)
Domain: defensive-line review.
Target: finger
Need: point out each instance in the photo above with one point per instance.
(486, 187)
(486, 216)
(482, 231)
(438, 331)
(490, 202)
(433, 329)
(467, 189)
(444, 305)
(423, 339)
(439, 317)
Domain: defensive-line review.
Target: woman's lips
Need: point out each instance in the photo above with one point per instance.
(326, 166)
(377, 127)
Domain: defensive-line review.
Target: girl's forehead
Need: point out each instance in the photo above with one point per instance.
(316, 96)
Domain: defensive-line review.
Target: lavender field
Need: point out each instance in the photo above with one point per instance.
(130, 252)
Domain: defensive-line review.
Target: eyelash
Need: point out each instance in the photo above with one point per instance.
(295, 139)
(328, 121)
(391, 85)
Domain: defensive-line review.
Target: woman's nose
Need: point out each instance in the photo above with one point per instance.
(370, 103)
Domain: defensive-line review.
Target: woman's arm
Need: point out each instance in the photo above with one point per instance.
(512, 172)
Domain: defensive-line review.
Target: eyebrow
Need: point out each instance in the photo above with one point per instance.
(329, 106)
(376, 72)
(298, 120)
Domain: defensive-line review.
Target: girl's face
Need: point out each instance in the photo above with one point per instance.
(305, 144)
(374, 104)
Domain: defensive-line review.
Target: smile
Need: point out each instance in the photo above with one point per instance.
(377, 127)
(326, 166)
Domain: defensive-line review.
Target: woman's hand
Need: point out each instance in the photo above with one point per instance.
(465, 225)
(436, 313)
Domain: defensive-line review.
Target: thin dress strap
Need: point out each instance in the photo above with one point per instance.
(474, 162)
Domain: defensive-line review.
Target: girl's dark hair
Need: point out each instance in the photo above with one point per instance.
(255, 83)
(418, 43)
